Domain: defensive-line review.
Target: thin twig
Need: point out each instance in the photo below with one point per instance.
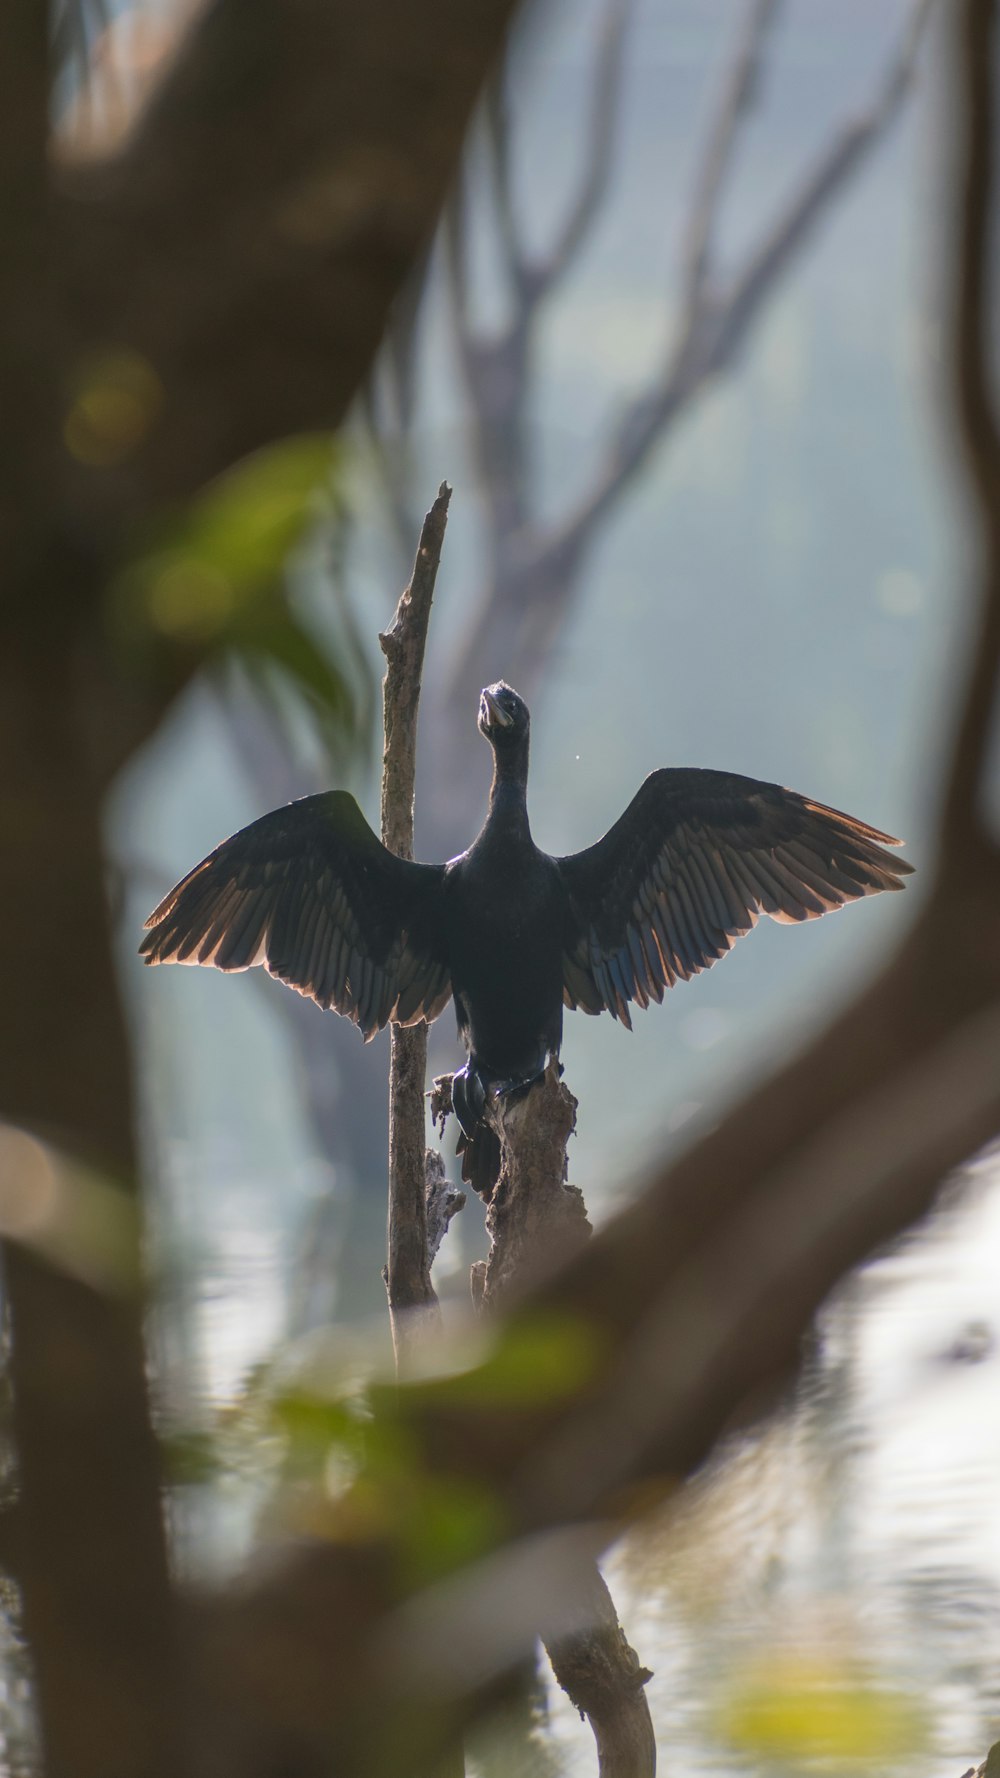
(408, 1272)
(739, 89)
(496, 126)
(605, 105)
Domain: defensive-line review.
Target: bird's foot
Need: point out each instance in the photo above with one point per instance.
(503, 1089)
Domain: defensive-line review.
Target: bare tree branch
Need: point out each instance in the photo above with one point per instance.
(497, 137)
(716, 327)
(496, 368)
(408, 1271)
(545, 272)
(737, 95)
(604, 1678)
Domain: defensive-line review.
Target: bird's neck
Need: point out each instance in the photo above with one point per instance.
(508, 792)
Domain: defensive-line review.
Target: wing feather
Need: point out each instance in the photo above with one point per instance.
(309, 892)
(695, 861)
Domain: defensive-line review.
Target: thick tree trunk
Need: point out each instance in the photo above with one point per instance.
(91, 1551)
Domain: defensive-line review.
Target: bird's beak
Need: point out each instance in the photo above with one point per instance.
(495, 711)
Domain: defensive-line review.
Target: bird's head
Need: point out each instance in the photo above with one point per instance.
(503, 716)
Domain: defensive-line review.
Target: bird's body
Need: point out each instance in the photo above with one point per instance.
(512, 933)
(503, 924)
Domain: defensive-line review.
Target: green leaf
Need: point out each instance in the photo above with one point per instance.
(211, 582)
(537, 1358)
(244, 526)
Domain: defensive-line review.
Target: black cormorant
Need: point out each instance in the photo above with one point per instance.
(512, 934)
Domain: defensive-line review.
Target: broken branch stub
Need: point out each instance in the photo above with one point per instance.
(535, 1219)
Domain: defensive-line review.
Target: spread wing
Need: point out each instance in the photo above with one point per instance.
(692, 864)
(309, 892)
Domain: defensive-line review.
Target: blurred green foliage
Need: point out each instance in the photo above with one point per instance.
(336, 1440)
(212, 583)
(537, 1359)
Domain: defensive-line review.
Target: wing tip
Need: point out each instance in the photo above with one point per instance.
(860, 829)
(150, 945)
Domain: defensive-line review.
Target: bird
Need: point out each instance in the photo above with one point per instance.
(510, 933)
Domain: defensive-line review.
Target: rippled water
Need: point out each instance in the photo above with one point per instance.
(860, 1531)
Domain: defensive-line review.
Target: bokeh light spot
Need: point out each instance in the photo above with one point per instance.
(899, 592)
(28, 1186)
(76, 1218)
(118, 396)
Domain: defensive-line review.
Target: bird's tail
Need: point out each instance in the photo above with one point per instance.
(478, 1144)
(480, 1157)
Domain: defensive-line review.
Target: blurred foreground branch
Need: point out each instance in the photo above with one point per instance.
(691, 1304)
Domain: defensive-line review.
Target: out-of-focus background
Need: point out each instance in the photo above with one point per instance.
(677, 348)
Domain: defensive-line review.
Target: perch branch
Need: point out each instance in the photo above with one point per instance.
(408, 1269)
(537, 1221)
